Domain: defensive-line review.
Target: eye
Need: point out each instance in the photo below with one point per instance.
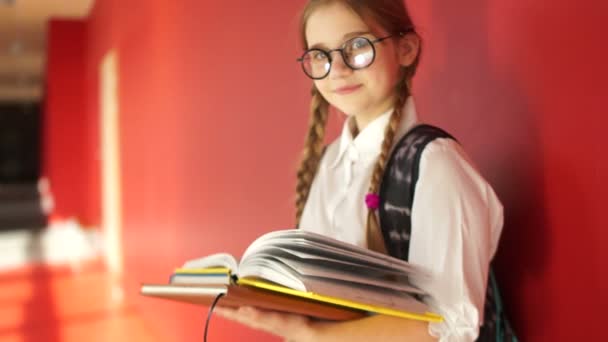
(358, 43)
(318, 55)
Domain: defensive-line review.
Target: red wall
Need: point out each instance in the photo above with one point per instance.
(214, 108)
(522, 84)
(202, 155)
(67, 158)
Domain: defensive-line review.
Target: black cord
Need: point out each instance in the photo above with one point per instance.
(210, 312)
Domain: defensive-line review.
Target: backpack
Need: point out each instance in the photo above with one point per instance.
(402, 173)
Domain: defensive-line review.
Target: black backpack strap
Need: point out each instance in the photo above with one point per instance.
(395, 210)
(496, 326)
(402, 173)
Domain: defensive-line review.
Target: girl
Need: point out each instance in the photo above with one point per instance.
(362, 56)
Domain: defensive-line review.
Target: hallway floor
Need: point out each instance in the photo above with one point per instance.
(59, 304)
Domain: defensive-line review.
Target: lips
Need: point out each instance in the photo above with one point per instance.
(347, 89)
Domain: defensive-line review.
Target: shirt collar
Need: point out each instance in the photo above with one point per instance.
(368, 142)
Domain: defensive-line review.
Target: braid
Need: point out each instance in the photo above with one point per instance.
(374, 235)
(313, 148)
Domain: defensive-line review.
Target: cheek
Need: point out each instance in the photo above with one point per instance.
(383, 75)
(323, 87)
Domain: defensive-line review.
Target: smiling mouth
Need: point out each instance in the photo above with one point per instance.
(347, 90)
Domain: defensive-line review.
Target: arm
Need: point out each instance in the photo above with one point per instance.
(378, 327)
(456, 221)
(301, 329)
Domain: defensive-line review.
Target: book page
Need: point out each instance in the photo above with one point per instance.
(307, 270)
(215, 260)
(365, 294)
(320, 260)
(313, 243)
(283, 261)
(332, 253)
(268, 268)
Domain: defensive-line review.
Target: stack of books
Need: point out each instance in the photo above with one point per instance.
(304, 273)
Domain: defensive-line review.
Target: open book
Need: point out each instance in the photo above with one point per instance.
(302, 272)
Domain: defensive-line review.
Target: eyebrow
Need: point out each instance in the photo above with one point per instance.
(344, 38)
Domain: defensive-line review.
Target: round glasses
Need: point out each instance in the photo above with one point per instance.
(357, 53)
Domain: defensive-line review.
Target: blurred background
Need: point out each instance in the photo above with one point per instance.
(135, 135)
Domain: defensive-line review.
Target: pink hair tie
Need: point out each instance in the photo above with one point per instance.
(372, 201)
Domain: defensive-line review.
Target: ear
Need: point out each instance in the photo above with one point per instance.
(408, 48)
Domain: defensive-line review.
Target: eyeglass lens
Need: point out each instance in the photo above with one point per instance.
(357, 53)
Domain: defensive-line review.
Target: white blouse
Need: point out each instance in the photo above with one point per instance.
(456, 218)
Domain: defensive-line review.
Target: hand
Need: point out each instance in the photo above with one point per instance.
(291, 327)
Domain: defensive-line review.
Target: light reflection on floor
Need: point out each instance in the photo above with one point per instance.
(56, 303)
(54, 287)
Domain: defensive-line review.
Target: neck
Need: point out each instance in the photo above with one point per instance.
(363, 119)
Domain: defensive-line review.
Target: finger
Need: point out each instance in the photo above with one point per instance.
(250, 311)
(268, 320)
(226, 312)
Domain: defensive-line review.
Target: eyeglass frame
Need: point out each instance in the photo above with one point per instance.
(341, 49)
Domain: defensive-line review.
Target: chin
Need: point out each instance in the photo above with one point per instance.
(350, 108)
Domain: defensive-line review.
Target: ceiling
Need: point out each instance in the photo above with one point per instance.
(23, 43)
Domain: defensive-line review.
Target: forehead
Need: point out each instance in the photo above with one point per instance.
(329, 25)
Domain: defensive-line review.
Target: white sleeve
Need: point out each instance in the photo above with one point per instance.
(456, 224)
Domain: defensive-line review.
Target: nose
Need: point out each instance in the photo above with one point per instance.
(338, 66)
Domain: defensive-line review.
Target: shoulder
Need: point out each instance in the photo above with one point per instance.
(446, 171)
(435, 150)
(445, 152)
(443, 162)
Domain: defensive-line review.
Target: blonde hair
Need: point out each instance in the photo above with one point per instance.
(392, 16)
